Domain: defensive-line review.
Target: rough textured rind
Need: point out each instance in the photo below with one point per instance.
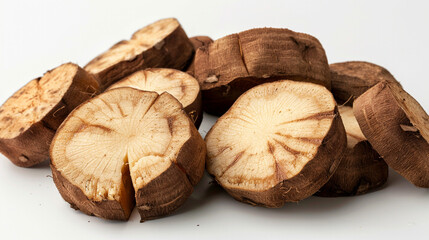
(31, 146)
(197, 42)
(174, 51)
(233, 64)
(384, 119)
(351, 79)
(360, 171)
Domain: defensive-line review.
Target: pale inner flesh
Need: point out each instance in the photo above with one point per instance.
(269, 134)
(417, 115)
(181, 85)
(353, 131)
(119, 128)
(31, 103)
(141, 40)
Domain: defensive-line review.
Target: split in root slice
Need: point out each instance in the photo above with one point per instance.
(127, 147)
(398, 128)
(279, 142)
(180, 85)
(233, 64)
(30, 117)
(361, 170)
(161, 44)
(351, 79)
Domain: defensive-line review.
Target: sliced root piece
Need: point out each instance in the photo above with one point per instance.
(127, 141)
(181, 85)
(361, 169)
(197, 42)
(233, 64)
(160, 44)
(398, 129)
(351, 79)
(29, 119)
(279, 142)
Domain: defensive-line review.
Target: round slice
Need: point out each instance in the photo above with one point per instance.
(361, 169)
(30, 117)
(197, 42)
(398, 128)
(160, 44)
(351, 79)
(279, 142)
(181, 85)
(127, 146)
(233, 64)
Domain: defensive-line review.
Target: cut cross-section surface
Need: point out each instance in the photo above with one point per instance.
(127, 141)
(160, 44)
(233, 64)
(181, 85)
(29, 119)
(279, 142)
(361, 169)
(398, 128)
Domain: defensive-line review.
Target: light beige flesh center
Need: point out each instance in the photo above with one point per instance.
(142, 40)
(269, 134)
(32, 102)
(115, 130)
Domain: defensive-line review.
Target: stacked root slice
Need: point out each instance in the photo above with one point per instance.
(127, 147)
(233, 64)
(160, 44)
(361, 169)
(29, 118)
(180, 85)
(279, 142)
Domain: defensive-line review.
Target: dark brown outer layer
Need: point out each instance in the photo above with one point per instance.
(361, 171)
(107, 209)
(238, 62)
(176, 52)
(311, 178)
(380, 119)
(351, 79)
(32, 146)
(195, 111)
(169, 191)
(197, 42)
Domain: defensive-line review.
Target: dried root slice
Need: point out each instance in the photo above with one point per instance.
(160, 44)
(361, 169)
(29, 119)
(233, 64)
(127, 146)
(351, 79)
(279, 142)
(398, 129)
(182, 86)
(197, 42)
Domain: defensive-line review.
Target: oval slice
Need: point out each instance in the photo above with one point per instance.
(361, 169)
(161, 44)
(233, 64)
(398, 128)
(127, 146)
(279, 142)
(180, 85)
(30, 117)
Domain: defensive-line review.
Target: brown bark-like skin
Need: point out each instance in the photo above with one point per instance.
(233, 64)
(197, 42)
(32, 145)
(176, 52)
(380, 118)
(351, 79)
(160, 196)
(311, 178)
(106, 209)
(361, 171)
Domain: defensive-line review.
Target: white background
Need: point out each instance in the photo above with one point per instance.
(36, 36)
